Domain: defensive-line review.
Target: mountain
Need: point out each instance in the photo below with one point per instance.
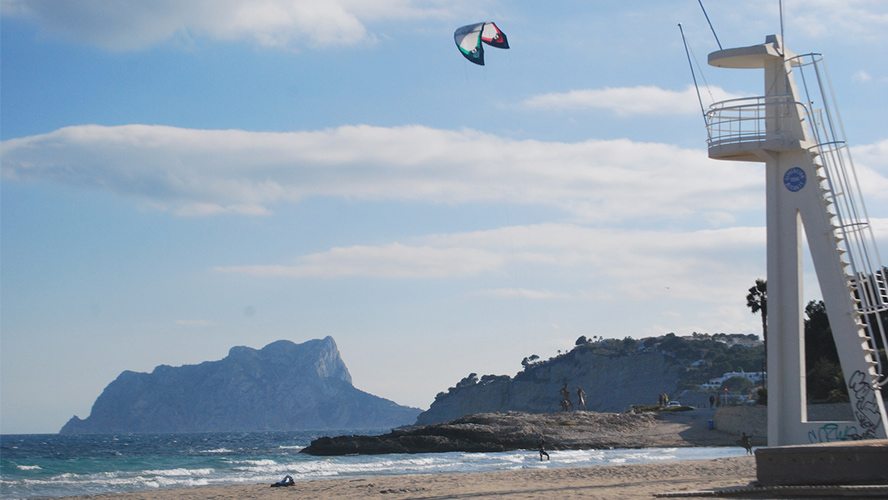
(283, 386)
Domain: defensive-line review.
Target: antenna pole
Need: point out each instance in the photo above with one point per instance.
(781, 23)
(710, 26)
(694, 76)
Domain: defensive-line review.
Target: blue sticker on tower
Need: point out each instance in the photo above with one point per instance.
(794, 179)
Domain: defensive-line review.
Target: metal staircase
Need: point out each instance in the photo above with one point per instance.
(866, 276)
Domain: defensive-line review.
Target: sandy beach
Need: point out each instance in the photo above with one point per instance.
(600, 482)
(604, 482)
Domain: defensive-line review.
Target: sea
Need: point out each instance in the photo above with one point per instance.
(55, 465)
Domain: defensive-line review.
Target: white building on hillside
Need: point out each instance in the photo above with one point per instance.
(754, 377)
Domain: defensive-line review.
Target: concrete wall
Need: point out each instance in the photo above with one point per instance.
(754, 419)
(737, 419)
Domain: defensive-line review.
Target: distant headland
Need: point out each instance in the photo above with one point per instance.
(283, 386)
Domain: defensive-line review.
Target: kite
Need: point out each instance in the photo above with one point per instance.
(468, 39)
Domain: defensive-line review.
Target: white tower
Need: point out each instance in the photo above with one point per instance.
(811, 190)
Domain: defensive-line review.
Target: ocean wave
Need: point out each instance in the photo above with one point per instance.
(580, 456)
(180, 472)
(165, 482)
(262, 467)
(260, 462)
(69, 476)
(29, 467)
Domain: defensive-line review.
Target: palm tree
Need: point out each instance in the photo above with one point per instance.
(757, 301)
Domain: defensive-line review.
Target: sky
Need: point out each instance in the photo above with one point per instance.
(179, 178)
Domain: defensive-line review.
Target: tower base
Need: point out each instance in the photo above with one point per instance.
(838, 463)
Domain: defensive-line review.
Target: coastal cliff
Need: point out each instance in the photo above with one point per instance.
(611, 383)
(283, 386)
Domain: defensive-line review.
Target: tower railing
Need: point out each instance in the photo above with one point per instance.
(736, 121)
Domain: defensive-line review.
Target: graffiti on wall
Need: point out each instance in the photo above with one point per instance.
(866, 412)
(866, 407)
(828, 433)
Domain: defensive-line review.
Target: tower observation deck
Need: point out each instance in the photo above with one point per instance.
(812, 190)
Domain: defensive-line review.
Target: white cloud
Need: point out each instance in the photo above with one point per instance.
(199, 209)
(641, 100)
(871, 166)
(880, 228)
(861, 76)
(194, 172)
(523, 293)
(194, 322)
(390, 261)
(138, 24)
(865, 77)
(702, 265)
(864, 19)
(873, 155)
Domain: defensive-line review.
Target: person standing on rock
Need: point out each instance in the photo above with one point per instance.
(566, 404)
(581, 398)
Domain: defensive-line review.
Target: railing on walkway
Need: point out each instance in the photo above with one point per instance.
(743, 121)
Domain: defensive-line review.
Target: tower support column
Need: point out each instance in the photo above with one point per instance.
(795, 141)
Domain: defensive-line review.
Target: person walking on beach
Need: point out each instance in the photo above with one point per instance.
(711, 401)
(746, 443)
(581, 398)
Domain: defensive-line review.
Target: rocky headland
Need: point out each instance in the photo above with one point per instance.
(492, 432)
(283, 386)
(611, 384)
(614, 375)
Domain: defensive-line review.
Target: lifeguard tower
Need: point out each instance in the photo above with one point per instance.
(794, 129)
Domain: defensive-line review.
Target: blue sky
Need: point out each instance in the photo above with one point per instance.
(182, 177)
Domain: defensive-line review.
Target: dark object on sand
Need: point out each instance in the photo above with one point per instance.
(286, 481)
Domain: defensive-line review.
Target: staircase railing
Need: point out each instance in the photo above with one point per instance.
(842, 192)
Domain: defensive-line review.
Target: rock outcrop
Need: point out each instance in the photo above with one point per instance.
(492, 432)
(283, 386)
(611, 384)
